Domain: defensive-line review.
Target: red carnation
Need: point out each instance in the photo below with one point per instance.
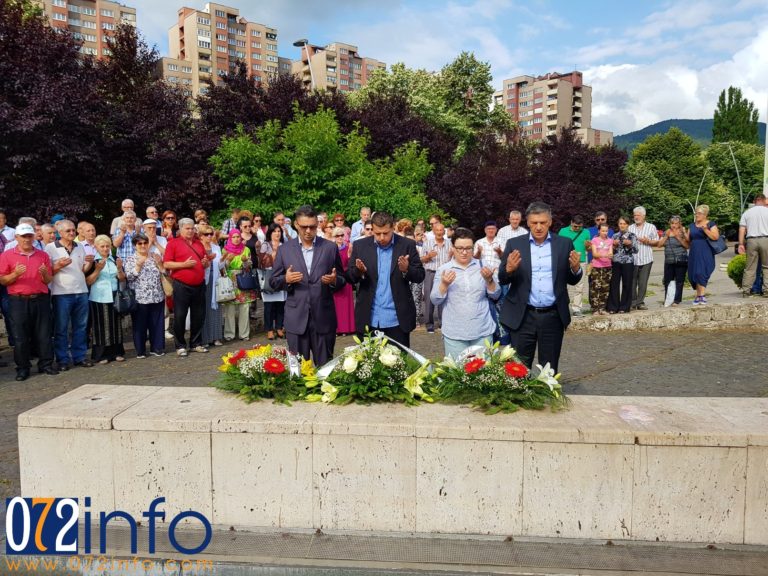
(239, 355)
(515, 370)
(274, 366)
(474, 365)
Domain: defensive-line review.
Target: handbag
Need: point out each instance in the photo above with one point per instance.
(717, 245)
(265, 275)
(125, 299)
(167, 284)
(246, 280)
(225, 289)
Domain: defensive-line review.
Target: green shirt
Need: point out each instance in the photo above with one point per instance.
(578, 240)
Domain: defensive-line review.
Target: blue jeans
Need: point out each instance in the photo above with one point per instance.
(70, 309)
(455, 347)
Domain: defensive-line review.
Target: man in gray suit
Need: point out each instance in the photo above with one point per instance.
(309, 269)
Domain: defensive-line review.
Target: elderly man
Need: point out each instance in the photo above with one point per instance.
(647, 237)
(384, 266)
(753, 241)
(309, 268)
(186, 258)
(122, 239)
(488, 249)
(70, 297)
(154, 214)
(126, 205)
(26, 272)
(86, 234)
(513, 229)
(538, 267)
(48, 232)
(359, 226)
(436, 252)
(157, 243)
(35, 242)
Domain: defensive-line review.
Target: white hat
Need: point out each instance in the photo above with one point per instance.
(23, 229)
(150, 221)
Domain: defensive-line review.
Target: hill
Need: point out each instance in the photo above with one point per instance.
(699, 130)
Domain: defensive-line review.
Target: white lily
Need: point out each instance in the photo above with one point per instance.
(350, 364)
(548, 376)
(389, 356)
(506, 353)
(329, 392)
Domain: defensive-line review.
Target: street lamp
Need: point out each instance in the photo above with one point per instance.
(305, 43)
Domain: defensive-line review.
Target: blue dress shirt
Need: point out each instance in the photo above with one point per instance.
(542, 284)
(383, 313)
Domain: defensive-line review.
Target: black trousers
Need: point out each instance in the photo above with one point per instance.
(31, 325)
(620, 294)
(190, 299)
(274, 314)
(675, 271)
(319, 346)
(542, 329)
(149, 319)
(394, 333)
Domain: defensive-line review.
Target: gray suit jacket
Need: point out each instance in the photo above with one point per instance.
(310, 297)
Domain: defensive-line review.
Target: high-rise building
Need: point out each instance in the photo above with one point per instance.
(92, 21)
(336, 66)
(208, 43)
(544, 105)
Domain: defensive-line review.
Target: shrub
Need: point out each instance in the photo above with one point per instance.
(736, 269)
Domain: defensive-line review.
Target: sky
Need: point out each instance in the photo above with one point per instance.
(646, 61)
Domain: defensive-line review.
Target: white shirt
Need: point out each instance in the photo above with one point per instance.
(489, 257)
(506, 233)
(70, 279)
(644, 251)
(162, 241)
(9, 233)
(756, 221)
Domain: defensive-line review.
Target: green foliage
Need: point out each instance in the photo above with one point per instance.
(735, 118)
(736, 268)
(310, 161)
(749, 158)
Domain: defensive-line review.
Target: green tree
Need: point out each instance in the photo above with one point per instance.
(311, 161)
(749, 159)
(735, 118)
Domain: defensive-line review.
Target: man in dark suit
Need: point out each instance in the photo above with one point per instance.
(537, 267)
(309, 269)
(384, 265)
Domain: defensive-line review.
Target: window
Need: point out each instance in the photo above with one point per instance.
(88, 11)
(357, 86)
(344, 71)
(271, 36)
(343, 51)
(328, 68)
(256, 45)
(204, 89)
(173, 79)
(75, 22)
(272, 69)
(344, 82)
(204, 32)
(186, 81)
(330, 79)
(232, 42)
(271, 58)
(173, 67)
(89, 37)
(272, 47)
(255, 56)
(240, 32)
(204, 21)
(61, 17)
(201, 56)
(107, 26)
(221, 26)
(524, 104)
(187, 69)
(73, 8)
(511, 105)
(204, 69)
(232, 30)
(60, 3)
(256, 66)
(240, 54)
(537, 120)
(221, 14)
(220, 48)
(257, 78)
(104, 38)
(127, 16)
(203, 44)
(222, 37)
(357, 66)
(255, 32)
(77, 36)
(108, 13)
(91, 51)
(241, 43)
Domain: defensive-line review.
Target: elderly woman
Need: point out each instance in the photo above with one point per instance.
(338, 222)
(624, 248)
(675, 257)
(213, 328)
(106, 323)
(701, 258)
(274, 302)
(344, 298)
(143, 271)
(237, 258)
(464, 288)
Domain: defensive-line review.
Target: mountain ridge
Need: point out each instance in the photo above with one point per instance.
(700, 130)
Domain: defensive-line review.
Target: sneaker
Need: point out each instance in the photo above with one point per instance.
(181, 352)
(157, 353)
(696, 301)
(702, 300)
(642, 307)
(168, 335)
(201, 349)
(218, 343)
(141, 356)
(430, 330)
(577, 313)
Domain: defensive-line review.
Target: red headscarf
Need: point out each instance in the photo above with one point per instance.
(232, 248)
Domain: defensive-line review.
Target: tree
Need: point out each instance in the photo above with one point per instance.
(311, 161)
(749, 159)
(735, 118)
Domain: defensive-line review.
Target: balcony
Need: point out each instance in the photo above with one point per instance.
(577, 113)
(551, 121)
(576, 103)
(552, 91)
(576, 124)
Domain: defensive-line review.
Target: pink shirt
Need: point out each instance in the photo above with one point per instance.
(31, 282)
(602, 252)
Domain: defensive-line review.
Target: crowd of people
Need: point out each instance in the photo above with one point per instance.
(63, 286)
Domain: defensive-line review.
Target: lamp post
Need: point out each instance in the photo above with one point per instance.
(305, 43)
(765, 165)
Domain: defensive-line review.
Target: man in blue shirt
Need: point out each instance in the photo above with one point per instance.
(538, 267)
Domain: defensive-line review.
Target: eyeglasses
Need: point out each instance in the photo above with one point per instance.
(338, 235)
(257, 219)
(207, 234)
(600, 219)
(245, 226)
(338, 219)
(306, 227)
(463, 248)
(68, 230)
(170, 218)
(141, 243)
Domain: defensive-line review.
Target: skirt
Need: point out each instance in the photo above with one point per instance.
(106, 324)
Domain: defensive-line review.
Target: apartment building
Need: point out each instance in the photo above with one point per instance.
(92, 21)
(337, 66)
(544, 105)
(208, 43)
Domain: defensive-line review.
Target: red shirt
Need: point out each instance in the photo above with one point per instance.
(179, 250)
(31, 282)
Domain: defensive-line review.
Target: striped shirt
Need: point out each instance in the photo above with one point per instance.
(644, 253)
(488, 256)
(506, 233)
(443, 253)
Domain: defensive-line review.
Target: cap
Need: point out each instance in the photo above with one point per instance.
(23, 229)
(490, 223)
(150, 221)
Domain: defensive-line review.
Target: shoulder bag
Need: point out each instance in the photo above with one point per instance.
(125, 299)
(225, 289)
(717, 245)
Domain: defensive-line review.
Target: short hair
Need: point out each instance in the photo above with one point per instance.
(407, 231)
(51, 227)
(538, 208)
(241, 220)
(577, 219)
(142, 238)
(306, 211)
(367, 222)
(624, 217)
(129, 213)
(102, 239)
(151, 208)
(436, 217)
(204, 228)
(278, 213)
(127, 200)
(515, 213)
(365, 208)
(639, 210)
(62, 222)
(28, 220)
(491, 223)
(703, 208)
(602, 225)
(381, 218)
(601, 213)
(186, 222)
(338, 230)
(760, 198)
(674, 218)
(462, 233)
(438, 224)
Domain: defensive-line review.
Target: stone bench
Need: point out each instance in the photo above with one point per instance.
(668, 469)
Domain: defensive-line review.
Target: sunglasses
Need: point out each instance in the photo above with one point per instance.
(170, 217)
(257, 220)
(338, 219)
(141, 243)
(338, 236)
(207, 234)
